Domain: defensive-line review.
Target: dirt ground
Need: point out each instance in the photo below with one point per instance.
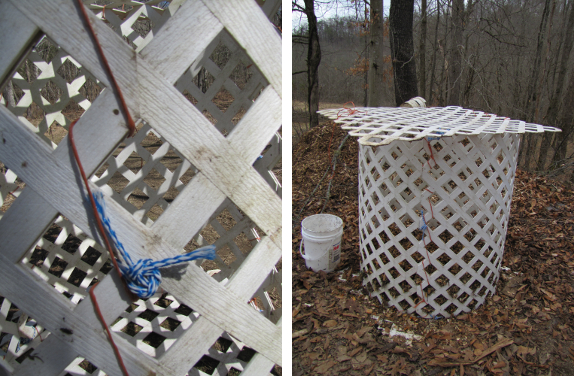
(526, 328)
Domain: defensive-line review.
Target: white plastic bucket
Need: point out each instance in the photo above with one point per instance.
(321, 238)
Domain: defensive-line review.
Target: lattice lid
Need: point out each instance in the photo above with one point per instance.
(382, 125)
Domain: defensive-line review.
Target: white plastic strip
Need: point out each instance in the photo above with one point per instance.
(381, 125)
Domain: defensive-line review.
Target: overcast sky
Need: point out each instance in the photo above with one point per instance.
(329, 9)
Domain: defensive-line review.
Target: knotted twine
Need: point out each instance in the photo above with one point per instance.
(143, 277)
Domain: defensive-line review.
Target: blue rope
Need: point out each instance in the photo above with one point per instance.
(435, 138)
(143, 277)
(424, 227)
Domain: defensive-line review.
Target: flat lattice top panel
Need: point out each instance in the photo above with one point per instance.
(382, 125)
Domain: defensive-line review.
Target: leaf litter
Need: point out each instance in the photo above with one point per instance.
(526, 328)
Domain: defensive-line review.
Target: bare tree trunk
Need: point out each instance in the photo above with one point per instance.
(375, 75)
(434, 58)
(402, 51)
(423, 39)
(529, 141)
(555, 101)
(566, 125)
(313, 60)
(534, 79)
(454, 87)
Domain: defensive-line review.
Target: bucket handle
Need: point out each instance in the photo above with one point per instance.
(305, 257)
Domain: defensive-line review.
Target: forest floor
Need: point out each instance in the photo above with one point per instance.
(526, 328)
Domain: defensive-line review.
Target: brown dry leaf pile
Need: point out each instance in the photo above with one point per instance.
(525, 329)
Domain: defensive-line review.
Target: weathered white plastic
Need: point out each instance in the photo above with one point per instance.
(435, 188)
(383, 125)
(460, 188)
(321, 238)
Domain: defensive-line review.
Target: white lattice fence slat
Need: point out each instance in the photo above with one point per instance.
(435, 189)
(178, 197)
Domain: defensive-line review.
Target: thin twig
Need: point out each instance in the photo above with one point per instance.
(335, 155)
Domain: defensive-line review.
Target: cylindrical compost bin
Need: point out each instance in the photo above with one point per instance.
(435, 187)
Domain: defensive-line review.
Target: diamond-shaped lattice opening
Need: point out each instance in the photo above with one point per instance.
(442, 280)
(455, 268)
(77, 277)
(142, 27)
(154, 339)
(207, 365)
(51, 92)
(170, 324)
(73, 111)
(221, 55)
(417, 257)
(34, 114)
(241, 75)
(171, 160)
(453, 290)
(131, 329)
(90, 90)
(444, 259)
(431, 247)
(226, 255)
(134, 162)
(38, 256)
(91, 256)
(68, 71)
(151, 142)
(404, 305)
(394, 273)
(467, 257)
(430, 269)
(29, 71)
(57, 267)
(393, 292)
(376, 264)
(138, 198)
(463, 297)
(118, 182)
(465, 278)
(394, 229)
(222, 345)
(445, 236)
(226, 220)
(394, 251)
(375, 244)
(406, 243)
(223, 100)
(148, 315)
(405, 286)
(56, 133)
(440, 299)
(183, 310)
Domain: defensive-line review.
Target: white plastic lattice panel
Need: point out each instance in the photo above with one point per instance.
(382, 125)
(433, 220)
(194, 174)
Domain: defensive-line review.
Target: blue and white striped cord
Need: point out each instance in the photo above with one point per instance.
(143, 276)
(424, 226)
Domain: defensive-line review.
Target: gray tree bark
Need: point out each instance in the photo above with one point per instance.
(423, 39)
(313, 60)
(375, 73)
(457, 20)
(402, 51)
